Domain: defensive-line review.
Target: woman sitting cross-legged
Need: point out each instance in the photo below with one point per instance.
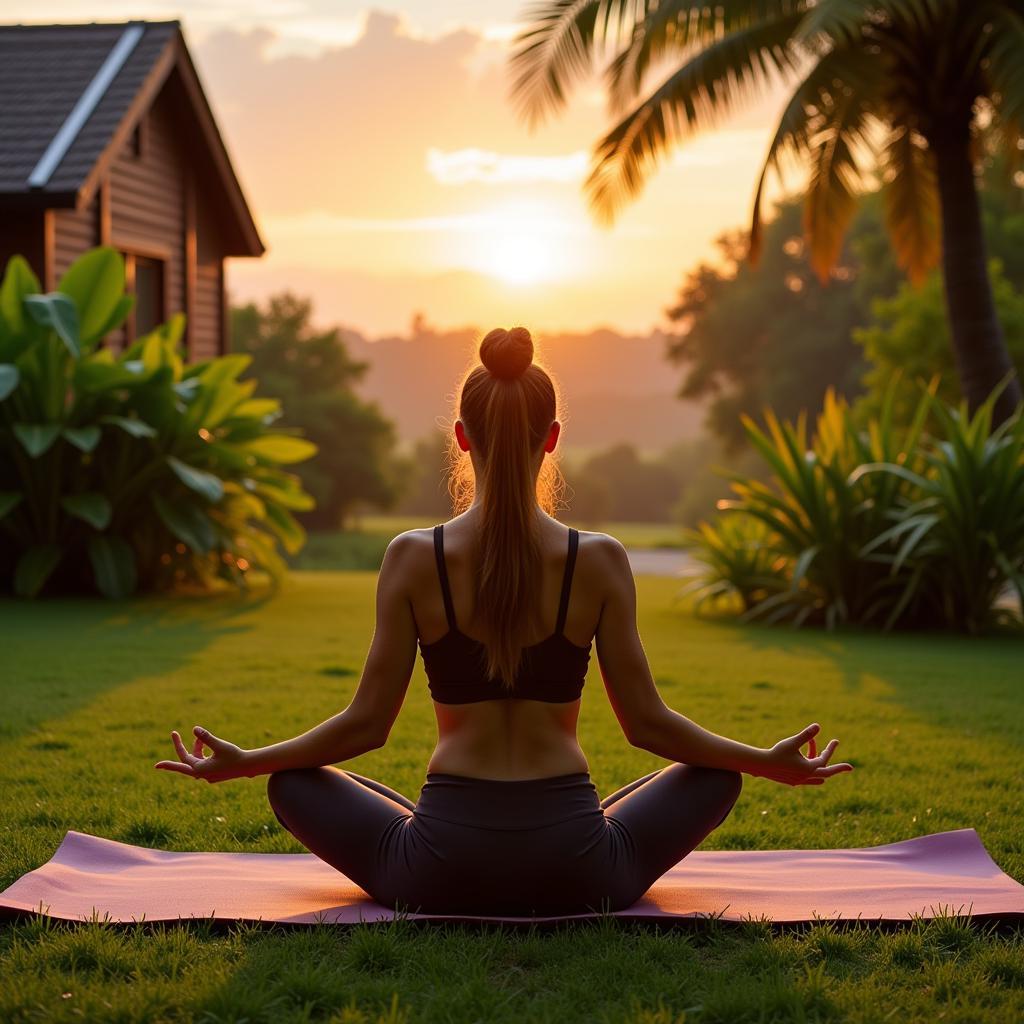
(505, 603)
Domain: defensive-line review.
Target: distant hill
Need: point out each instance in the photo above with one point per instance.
(615, 387)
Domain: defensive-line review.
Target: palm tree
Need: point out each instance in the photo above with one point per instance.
(906, 89)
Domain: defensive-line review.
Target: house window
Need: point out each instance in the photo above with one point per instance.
(137, 143)
(149, 294)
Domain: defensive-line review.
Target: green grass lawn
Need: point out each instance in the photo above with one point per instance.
(362, 547)
(89, 691)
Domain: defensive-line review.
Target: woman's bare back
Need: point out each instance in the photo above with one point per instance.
(512, 738)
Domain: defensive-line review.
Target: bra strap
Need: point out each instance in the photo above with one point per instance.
(442, 572)
(570, 565)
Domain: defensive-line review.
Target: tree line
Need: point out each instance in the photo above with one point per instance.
(746, 339)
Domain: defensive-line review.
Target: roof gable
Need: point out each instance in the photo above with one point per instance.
(46, 72)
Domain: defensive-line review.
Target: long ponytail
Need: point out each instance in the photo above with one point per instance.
(507, 406)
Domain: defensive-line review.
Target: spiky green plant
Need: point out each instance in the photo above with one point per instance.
(130, 469)
(877, 527)
(739, 561)
(958, 536)
(901, 89)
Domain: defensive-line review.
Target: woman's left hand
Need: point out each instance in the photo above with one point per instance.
(226, 761)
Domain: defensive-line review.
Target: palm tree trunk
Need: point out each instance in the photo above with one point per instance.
(982, 359)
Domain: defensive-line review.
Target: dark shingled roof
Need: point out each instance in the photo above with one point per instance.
(44, 69)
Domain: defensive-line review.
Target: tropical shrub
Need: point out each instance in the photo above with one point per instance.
(130, 470)
(883, 526)
(739, 561)
(959, 535)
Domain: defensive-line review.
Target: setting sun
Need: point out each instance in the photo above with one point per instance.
(519, 258)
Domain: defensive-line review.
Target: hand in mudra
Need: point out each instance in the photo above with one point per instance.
(224, 763)
(786, 764)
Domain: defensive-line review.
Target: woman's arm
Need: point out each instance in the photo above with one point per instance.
(650, 724)
(364, 725)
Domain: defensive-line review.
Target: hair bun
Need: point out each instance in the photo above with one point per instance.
(507, 354)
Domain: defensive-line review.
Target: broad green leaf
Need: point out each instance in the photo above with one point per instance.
(224, 368)
(98, 373)
(286, 527)
(95, 283)
(117, 317)
(287, 495)
(36, 438)
(206, 484)
(153, 351)
(18, 283)
(113, 566)
(8, 501)
(130, 425)
(34, 568)
(191, 525)
(57, 311)
(83, 438)
(9, 377)
(162, 346)
(92, 508)
(221, 401)
(281, 448)
(258, 408)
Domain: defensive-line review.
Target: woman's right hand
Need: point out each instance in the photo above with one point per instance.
(786, 764)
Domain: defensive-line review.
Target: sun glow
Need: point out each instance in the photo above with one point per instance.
(526, 244)
(521, 258)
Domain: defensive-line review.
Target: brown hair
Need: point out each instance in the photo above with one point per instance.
(507, 403)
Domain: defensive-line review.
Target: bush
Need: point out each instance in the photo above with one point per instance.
(133, 470)
(739, 561)
(882, 527)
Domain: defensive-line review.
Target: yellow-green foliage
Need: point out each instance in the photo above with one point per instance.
(134, 469)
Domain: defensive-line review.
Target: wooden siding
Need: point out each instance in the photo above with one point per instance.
(75, 231)
(209, 297)
(147, 200)
(208, 313)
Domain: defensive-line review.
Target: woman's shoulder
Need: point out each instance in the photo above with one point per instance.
(603, 554)
(409, 551)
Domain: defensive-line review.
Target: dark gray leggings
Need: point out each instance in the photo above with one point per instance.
(483, 846)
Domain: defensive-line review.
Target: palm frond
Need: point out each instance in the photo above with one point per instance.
(1003, 63)
(842, 20)
(692, 98)
(835, 174)
(911, 202)
(799, 119)
(673, 27)
(558, 48)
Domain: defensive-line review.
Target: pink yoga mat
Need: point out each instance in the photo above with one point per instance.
(948, 872)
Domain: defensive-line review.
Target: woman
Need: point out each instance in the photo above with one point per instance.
(508, 820)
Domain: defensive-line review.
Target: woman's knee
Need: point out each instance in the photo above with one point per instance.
(723, 782)
(284, 785)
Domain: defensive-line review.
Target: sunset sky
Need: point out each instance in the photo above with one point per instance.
(390, 175)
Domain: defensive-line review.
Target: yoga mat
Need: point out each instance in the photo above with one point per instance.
(948, 872)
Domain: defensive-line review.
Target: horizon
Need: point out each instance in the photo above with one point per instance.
(459, 213)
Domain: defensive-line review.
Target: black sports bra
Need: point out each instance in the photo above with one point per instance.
(553, 670)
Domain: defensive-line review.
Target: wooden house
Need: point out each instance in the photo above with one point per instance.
(106, 137)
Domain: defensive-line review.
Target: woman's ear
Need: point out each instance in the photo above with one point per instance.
(552, 439)
(460, 436)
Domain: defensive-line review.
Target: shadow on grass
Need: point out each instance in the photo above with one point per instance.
(56, 655)
(968, 686)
